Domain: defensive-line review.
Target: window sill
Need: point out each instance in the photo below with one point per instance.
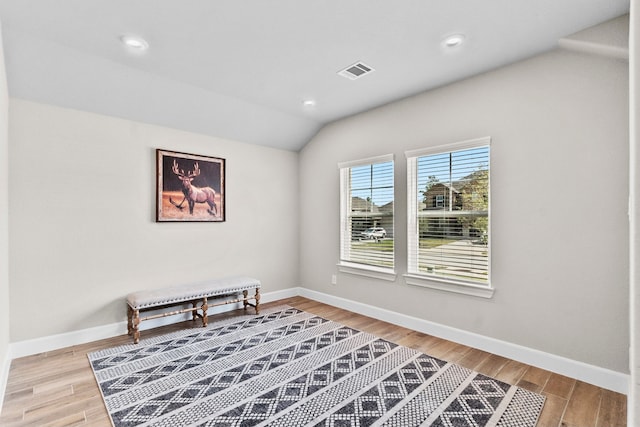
(368, 271)
(449, 285)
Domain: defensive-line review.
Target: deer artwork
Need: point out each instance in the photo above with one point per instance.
(193, 194)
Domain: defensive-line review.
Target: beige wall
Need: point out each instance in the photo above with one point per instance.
(559, 258)
(633, 399)
(4, 216)
(82, 218)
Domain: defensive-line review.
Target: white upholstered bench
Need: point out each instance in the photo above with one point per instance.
(195, 293)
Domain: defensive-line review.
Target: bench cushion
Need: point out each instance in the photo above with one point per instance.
(182, 293)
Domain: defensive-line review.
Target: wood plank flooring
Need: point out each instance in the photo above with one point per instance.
(57, 388)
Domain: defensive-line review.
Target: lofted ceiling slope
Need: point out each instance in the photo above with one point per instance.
(242, 69)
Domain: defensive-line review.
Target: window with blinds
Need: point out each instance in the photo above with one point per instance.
(448, 212)
(366, 206)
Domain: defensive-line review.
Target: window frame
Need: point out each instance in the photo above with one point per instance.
(344, 265)
(413, 276)
(439, 201)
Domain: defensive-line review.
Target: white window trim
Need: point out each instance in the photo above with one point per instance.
(371, 271)
(367, 161)
(367, 271)
(456, 146)
(449, 285)
(429, 281)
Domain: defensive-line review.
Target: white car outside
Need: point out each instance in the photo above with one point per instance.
(374, 233)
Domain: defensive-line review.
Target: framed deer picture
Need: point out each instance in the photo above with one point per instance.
(190, 187)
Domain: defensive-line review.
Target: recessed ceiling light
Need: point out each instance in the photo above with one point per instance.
(453, 40)
(309, 103)
(134, 42)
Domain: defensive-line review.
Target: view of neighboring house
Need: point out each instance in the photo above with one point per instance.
(448, 210)
(457, 209)
(442, 196)
(366, 214)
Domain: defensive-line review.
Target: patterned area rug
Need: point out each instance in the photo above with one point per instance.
(286, 367)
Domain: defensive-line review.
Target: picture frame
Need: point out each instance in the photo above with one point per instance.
(189, 187)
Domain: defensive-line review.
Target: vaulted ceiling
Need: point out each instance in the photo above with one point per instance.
(243, 70)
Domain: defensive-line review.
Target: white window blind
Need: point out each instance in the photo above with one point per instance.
(448, 212)
(367, 191)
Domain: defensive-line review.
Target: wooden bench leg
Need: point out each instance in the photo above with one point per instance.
(205, 320)
(257, 300)
(245, 299)
(194, 313)
(136, 326)
(129, 320)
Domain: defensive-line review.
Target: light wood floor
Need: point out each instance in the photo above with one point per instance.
(57, 388)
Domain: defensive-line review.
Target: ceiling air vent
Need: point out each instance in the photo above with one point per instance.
(356, 71)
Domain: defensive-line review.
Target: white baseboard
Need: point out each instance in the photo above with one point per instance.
(601, 377)
(53, 342)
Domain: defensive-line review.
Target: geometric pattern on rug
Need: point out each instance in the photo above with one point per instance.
(289, 368)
